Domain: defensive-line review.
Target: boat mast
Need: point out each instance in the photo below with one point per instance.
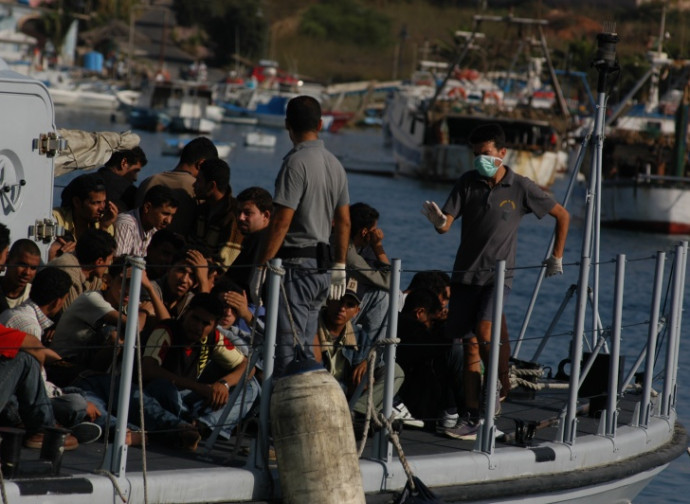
(653, 99)
(605, 62)
(657, 59)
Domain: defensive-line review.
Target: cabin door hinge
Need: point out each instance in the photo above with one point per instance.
(49, 144)
(45, 230)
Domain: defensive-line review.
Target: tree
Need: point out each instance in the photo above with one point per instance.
(346, 21)
(225, 22)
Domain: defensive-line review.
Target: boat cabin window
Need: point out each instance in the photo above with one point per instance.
(653, 127)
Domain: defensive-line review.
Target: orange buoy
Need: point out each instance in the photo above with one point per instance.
(458, 92)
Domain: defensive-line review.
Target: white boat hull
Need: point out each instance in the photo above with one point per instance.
(260, 139)
(83, 99)
(595, 470)
(646, 205)
(271, 120)
(421, 151)
(446, 163)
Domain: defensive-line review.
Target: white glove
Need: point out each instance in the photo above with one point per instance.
(338, 281)
(432, 212)
(256, 283)
(554, 266)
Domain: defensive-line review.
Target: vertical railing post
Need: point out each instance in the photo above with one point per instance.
(681, 296)
(488, 441)
(271, 327)
(118, 450)
(612, 399)
(669, 376)
(570, 426)
(652, 334)
(385, 450)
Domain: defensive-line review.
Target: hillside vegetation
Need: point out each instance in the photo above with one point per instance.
(344, 40)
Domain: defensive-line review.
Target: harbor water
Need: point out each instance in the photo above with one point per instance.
(410, 237)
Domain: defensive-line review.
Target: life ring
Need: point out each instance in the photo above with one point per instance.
(466, 74)
(458, 92)
(491, 95)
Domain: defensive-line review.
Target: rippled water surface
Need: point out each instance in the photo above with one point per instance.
(411, 238)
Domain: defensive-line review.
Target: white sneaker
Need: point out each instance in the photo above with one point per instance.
(400, 412)
(447, 421)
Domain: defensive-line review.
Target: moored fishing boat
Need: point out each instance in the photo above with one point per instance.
(646, 186)
(428, 121)
(561, 454)
(180, 106)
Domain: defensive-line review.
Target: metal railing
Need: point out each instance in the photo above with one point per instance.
(382, 449)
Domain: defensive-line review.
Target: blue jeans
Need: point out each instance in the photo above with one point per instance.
(96, 389)
(69, 408)
(21, 376)
(166, 407)
(306, 289)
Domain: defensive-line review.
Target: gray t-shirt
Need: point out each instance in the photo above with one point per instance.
(79, 331)
(312, 182)
(490, 221)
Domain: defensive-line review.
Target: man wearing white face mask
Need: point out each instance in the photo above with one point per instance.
(491, 199)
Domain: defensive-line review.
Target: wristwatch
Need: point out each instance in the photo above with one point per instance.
(222, 380)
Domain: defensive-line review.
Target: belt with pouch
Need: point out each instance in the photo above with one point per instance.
(321, 252)
(297, 252)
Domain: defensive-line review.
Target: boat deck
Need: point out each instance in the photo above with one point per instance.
(543, 410)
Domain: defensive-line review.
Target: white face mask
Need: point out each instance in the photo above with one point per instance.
(486, 165)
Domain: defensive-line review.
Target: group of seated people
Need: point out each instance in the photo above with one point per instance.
(63, 322)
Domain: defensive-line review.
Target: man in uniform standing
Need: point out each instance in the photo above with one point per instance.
(491, 199)
(311, 197)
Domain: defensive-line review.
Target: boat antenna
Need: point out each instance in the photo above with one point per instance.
(605, 62)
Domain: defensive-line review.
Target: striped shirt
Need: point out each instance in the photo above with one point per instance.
(27, 317)
(130, 235)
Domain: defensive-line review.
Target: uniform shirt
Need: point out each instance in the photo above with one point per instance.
(490, 221)
(313, 183)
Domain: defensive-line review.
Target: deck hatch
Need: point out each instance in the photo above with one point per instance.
(544, 454)
(55, 486)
